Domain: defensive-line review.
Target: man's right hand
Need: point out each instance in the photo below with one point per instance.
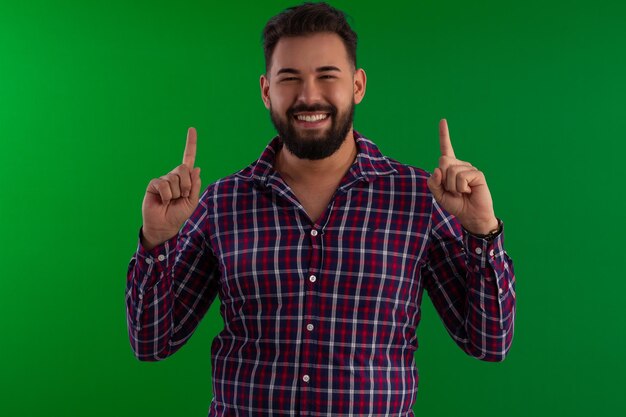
(170, 199)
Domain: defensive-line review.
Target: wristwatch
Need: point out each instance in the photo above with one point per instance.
(492, 234)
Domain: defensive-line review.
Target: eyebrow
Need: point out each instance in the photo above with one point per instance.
(319, 69)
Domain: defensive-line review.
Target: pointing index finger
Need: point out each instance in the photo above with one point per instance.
(189, 157)
(444, 139)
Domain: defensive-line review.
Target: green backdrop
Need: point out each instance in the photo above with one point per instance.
(95, 100)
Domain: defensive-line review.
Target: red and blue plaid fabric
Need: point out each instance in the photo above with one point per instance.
(320, 318)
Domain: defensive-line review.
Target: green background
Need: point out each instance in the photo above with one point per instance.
(95, 100)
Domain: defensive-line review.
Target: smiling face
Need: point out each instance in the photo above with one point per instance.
(311, 89)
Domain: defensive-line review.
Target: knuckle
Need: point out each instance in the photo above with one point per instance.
(173, 179)
(465, 174)
(181, 169)
(185, 179)
(165, 192)
(153, 185)
(164, 187)
(454, 170)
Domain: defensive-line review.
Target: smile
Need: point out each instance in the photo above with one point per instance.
(316, 117)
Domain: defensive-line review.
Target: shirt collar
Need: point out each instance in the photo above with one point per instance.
(370, 162)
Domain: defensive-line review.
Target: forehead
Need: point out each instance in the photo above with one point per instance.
(309, 52)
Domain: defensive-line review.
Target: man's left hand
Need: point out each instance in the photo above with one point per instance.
(461, 189)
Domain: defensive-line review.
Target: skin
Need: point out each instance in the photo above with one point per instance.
(309, 70)
(170, 199)
(461, 189)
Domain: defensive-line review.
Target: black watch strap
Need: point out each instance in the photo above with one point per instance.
(492, 234)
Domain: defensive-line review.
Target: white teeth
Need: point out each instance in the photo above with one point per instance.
(311, 118)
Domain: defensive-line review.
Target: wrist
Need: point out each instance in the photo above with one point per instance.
(151, 240)
(483, 228)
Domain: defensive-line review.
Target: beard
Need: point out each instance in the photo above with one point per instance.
(313, 145)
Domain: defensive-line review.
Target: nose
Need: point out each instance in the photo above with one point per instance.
(310, 92)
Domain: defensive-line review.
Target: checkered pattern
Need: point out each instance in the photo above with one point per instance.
(320, 318)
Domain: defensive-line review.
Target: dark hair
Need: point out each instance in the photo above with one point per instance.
(305, 19)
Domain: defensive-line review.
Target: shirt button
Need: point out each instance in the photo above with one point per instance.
(309, 327)
(161, 257)
(491, 253)
(312, 278)
(148, 261)
(306, 378)
(141, 296)
(500, 291)
(313, 232)
(478, 251)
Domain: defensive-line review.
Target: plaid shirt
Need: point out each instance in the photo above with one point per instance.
(320, 318)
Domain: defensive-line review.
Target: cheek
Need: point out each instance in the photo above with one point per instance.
(343, 96)
(280, 98)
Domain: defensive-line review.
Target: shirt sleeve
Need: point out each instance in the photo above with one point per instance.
(169, 289)
(471, 283)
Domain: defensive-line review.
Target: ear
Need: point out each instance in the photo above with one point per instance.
(265, 90)
(360, 81)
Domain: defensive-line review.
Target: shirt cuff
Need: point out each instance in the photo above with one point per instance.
(490, 270)
(481, 251)
(157, 259)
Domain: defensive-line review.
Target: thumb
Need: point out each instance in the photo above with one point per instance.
(435, 184)
(196, 184)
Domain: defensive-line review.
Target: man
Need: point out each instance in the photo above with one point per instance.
(320, 250)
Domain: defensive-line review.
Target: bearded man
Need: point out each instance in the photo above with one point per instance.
(319, 251)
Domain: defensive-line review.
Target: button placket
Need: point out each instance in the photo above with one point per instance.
(310, 288)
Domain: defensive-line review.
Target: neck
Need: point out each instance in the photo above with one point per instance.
(299, 170)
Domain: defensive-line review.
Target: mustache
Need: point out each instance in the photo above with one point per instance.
(298, 108)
